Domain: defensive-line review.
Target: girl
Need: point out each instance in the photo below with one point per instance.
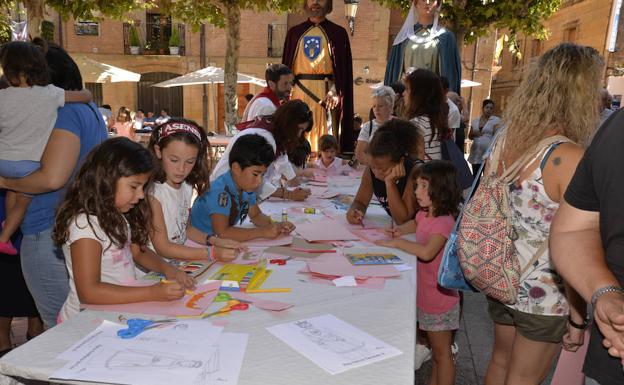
(438, 195)
(180, 147)
(426, 107)
(123, 124)
(328, 161)
(28, 110)
(389, 175)
(102, 226)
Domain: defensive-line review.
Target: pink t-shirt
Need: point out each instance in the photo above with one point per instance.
(432, 298)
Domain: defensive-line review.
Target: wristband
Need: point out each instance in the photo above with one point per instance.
(582, 326)
(604, 290)
(208, 243)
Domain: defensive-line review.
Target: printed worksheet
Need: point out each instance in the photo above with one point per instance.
(333, 344)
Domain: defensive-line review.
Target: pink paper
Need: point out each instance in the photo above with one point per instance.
(569, 369)
(339, 266)
(367, 283)
(171, 308)
(265, 304)
(264, 242)
(327, 230)
(371, 235)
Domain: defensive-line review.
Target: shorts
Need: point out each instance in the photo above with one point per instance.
(18, 168)
(535, 327)
(448, 320)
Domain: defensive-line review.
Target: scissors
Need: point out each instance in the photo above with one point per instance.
(137, 326)
(232, 304)
(225, 297)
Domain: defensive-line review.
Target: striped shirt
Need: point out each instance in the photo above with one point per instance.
(433, 149)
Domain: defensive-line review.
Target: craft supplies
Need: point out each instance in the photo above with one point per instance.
(137, 326)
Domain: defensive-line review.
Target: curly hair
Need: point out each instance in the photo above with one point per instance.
(198, 178)
(286, 121)
(93, 193)
(395, 138)
(444, 189)
(560, 91)
(426, 98)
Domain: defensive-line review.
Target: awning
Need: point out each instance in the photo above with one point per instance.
(208, 75)
(93, 71)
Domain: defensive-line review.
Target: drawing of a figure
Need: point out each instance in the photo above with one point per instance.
(327, 339)
(139, 359)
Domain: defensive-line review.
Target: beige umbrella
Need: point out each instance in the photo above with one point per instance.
(93, 71)
(208, 75)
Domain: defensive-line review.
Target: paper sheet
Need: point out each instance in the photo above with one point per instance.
(327, 230)
(170, 308)
(346, 281)
(333, 344)
(339, 266)
(264, 304)
(371, 235)
(264, 242)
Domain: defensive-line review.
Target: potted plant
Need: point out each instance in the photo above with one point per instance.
(135, 42)
(174, 42)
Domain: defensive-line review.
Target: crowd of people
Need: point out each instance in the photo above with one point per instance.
(88, 213)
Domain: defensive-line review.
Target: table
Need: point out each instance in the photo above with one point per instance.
(387, 314)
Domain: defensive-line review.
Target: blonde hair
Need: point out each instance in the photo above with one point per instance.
(559, 92)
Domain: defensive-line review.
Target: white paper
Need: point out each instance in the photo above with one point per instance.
(151, 361)
(346, 281)
(403, 267)
(333, 344)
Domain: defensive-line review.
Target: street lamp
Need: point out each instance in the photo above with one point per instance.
(350, 11)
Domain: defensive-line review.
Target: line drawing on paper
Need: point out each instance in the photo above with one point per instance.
(347, 347)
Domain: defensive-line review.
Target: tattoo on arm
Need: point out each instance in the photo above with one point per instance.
(556, 161)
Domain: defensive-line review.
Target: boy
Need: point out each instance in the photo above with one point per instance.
(231, 197)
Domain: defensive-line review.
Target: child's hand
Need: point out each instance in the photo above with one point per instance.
(229, 244)
(307, 173)
(354, 216)
(183, 279)
(168, 291)
(286, 227)
(222, 254)
(396, 172)
(272, 231)
(299, 194)
(388, 243)
(394, 232)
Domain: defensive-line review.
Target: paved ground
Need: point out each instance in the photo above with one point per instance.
(475, 343)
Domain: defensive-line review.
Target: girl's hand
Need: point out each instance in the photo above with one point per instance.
(183, 279)
(396, 172)
(395, 232)
(169, 291)
(222, 254)
(388, 243)
(354, 216)
(573, 339)
(229, 244)
(307, 173)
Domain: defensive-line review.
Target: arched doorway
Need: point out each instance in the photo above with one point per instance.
(155, 98)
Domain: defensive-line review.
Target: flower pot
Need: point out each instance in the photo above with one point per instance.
(174, 50)
(134, 50)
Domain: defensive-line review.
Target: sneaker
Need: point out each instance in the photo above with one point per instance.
(423, 354)
(7, 248)
(454, 348)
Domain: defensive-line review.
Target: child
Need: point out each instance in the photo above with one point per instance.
(438, 195)
(102, 226)
(389, 175)
(232, 196)
(28, 110)
(180, 147)
(328, 146)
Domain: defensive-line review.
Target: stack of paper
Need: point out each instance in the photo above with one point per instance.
(327, 230)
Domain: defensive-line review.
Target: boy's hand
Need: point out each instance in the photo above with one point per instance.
(272, 231)
(354, 216)
(299, 194)
(87, 95)
(169, 291)
(225, 254)
(286, 227)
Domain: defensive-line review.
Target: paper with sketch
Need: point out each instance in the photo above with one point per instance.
(371, 235)
(143, 362)
(333, 344)
(195, 304)
(327, 230)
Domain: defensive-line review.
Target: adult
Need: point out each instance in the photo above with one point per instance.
(482, 132)
(279, 80)
(107, 114)
(319, 54)
(163, 117)
(605, 105)
(78, 128)
(454, 116)
(460, 134)
(423, 43)
(138, 120)
(528, 333)
(123, 124)
(426, 107)
(149, 120)
(284, 132)
(383, 105)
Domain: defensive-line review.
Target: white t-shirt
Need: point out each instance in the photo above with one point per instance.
(433, 150)
(117, 265)
(176, 204)
(335, 166)
(258, 107)
(366, 132)
(27, 117)
(454, 116)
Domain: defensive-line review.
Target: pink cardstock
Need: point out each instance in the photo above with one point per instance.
(339, 266)
(367, 283)
(170, 308)
(264, 242)
(264, 304)
(327, 230)
(371, 235)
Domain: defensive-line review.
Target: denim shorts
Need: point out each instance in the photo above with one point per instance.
(18, 168)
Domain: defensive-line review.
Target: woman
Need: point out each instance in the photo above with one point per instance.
(426, 107)
(528, 334)
(481, 133)
(284, 131)
(78, 128)
(383, 105)
(123, 124)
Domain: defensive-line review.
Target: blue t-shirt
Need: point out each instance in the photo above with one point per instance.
(222, 198)
(88, 125)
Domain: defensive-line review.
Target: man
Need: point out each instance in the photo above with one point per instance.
(605, 105)
(454, 116)
(587, 246)
(422, 43)
(164, 116)
(319, 54)
(279, 80)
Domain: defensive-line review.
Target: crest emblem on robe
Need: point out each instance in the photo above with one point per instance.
(312, 46)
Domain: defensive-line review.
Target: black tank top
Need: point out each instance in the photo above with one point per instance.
(379, 186)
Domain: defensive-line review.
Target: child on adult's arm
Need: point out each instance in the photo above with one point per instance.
(232, 197)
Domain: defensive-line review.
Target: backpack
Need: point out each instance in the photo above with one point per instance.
(486, 235)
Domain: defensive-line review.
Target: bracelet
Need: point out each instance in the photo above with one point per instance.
(582, 326)
(208, 243)
(604, 290)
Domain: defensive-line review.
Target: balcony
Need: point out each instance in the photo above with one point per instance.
(154, 38)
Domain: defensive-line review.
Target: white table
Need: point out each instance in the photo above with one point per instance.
(387, 314)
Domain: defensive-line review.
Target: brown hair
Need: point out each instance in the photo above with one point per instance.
(20, 57)
(426, 98)
(444, 189)
(286, 121)
(328, 142)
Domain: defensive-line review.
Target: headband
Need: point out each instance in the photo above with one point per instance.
(169, 128)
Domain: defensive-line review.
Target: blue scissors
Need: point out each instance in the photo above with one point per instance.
(137, 326)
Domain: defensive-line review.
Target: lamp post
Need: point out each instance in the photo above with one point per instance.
(350, 11)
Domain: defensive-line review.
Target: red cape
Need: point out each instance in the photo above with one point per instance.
(340, 51)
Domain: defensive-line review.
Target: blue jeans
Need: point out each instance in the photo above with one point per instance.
(43, 265)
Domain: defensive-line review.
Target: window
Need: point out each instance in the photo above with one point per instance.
(571, 31)
(157, 31)
(87, 28)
